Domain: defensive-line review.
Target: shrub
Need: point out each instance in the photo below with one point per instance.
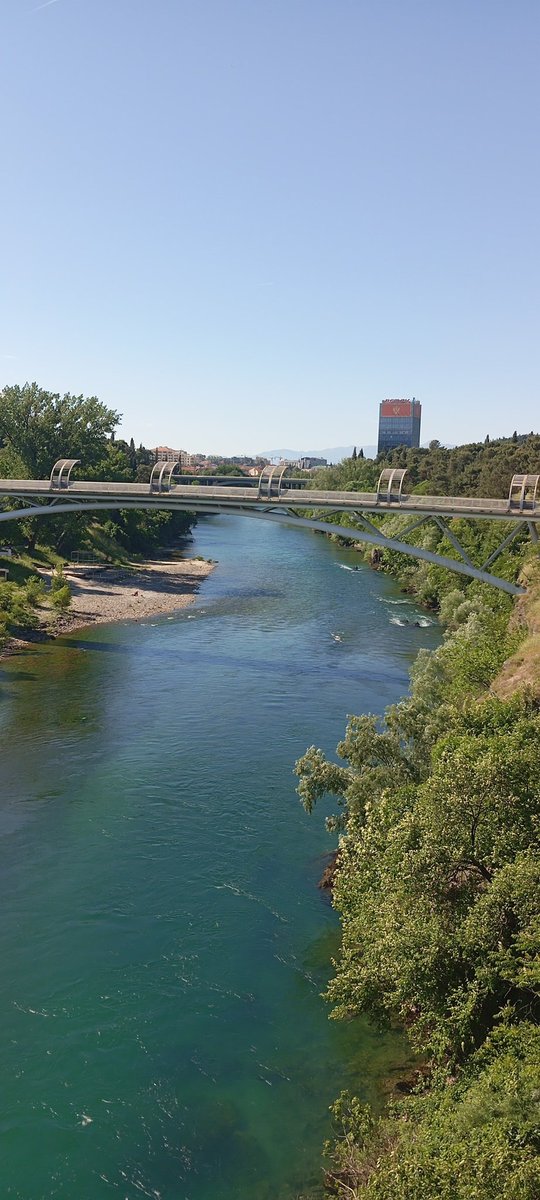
(34, 590)
(61, 597)
(21, 615)
(58, 580)
(7, 593)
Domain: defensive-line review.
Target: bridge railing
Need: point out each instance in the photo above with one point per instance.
(162, 474)
(523, 498)
(268, 487)
(523, 492)
(390, 485)
(61, 472)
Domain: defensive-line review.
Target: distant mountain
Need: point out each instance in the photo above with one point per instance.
(333, 455)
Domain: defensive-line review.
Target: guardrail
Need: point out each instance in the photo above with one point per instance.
(272, 488)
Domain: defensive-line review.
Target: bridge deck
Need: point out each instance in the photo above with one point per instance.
(233, 496)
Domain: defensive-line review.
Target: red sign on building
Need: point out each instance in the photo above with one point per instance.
(396, 408)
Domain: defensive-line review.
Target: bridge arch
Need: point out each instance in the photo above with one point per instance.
(369, 534)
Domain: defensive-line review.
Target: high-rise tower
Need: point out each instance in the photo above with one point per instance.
(399, 424)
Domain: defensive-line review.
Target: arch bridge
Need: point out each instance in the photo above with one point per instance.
(276, 496)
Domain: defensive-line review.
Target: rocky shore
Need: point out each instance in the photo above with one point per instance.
(102, 595)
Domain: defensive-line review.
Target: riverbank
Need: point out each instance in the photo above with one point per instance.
(102, 595)
(425, 800)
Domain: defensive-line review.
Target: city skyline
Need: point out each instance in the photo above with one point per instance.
(264, 220)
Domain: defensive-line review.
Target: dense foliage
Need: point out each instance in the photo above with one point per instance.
(437, 888)
(470, 1137)
(36, 428)
(478, 469)
(481, 469)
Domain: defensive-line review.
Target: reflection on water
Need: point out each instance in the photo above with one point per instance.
(164, 945)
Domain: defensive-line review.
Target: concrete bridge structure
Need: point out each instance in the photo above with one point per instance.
(276, 496)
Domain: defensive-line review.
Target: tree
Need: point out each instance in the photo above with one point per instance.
(472, 1137)
(224, 468)
(115, 464)
(39, 427)
(354, 455)
(438, 879)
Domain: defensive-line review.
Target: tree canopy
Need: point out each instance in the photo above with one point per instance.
(476, 469)
(38, 427)
(437, 887)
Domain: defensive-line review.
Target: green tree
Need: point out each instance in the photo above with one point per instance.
(116, 465)
(40, 426)
(474, 1137)
(439, 810)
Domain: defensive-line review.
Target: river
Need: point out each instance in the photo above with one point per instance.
(163, 942)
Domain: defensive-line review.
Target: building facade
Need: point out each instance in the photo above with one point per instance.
(167, 454)
(399, 424)
(308, 463)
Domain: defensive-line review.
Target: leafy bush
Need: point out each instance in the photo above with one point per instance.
(58, 580)
(61, 597)
(438, 891)
(21, 616)
(475, 1138)
(16, 612)
(7, 595)
(34, 590)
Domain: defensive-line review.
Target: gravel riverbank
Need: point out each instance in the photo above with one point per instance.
(103, 595)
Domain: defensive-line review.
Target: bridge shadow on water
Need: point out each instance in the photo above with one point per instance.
(13, 675)
(289, 669)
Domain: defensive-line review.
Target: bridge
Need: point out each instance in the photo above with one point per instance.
(275, 496)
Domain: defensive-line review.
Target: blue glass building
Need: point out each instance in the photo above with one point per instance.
(399, 424)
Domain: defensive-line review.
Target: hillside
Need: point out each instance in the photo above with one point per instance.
(334, 454)
(522, 669)
(438, 881)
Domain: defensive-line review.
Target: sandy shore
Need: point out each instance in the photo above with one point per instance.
(102, 595)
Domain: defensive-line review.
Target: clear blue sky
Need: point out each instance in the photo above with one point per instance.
(243, 223)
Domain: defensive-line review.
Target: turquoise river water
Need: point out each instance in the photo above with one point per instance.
(163, 944)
